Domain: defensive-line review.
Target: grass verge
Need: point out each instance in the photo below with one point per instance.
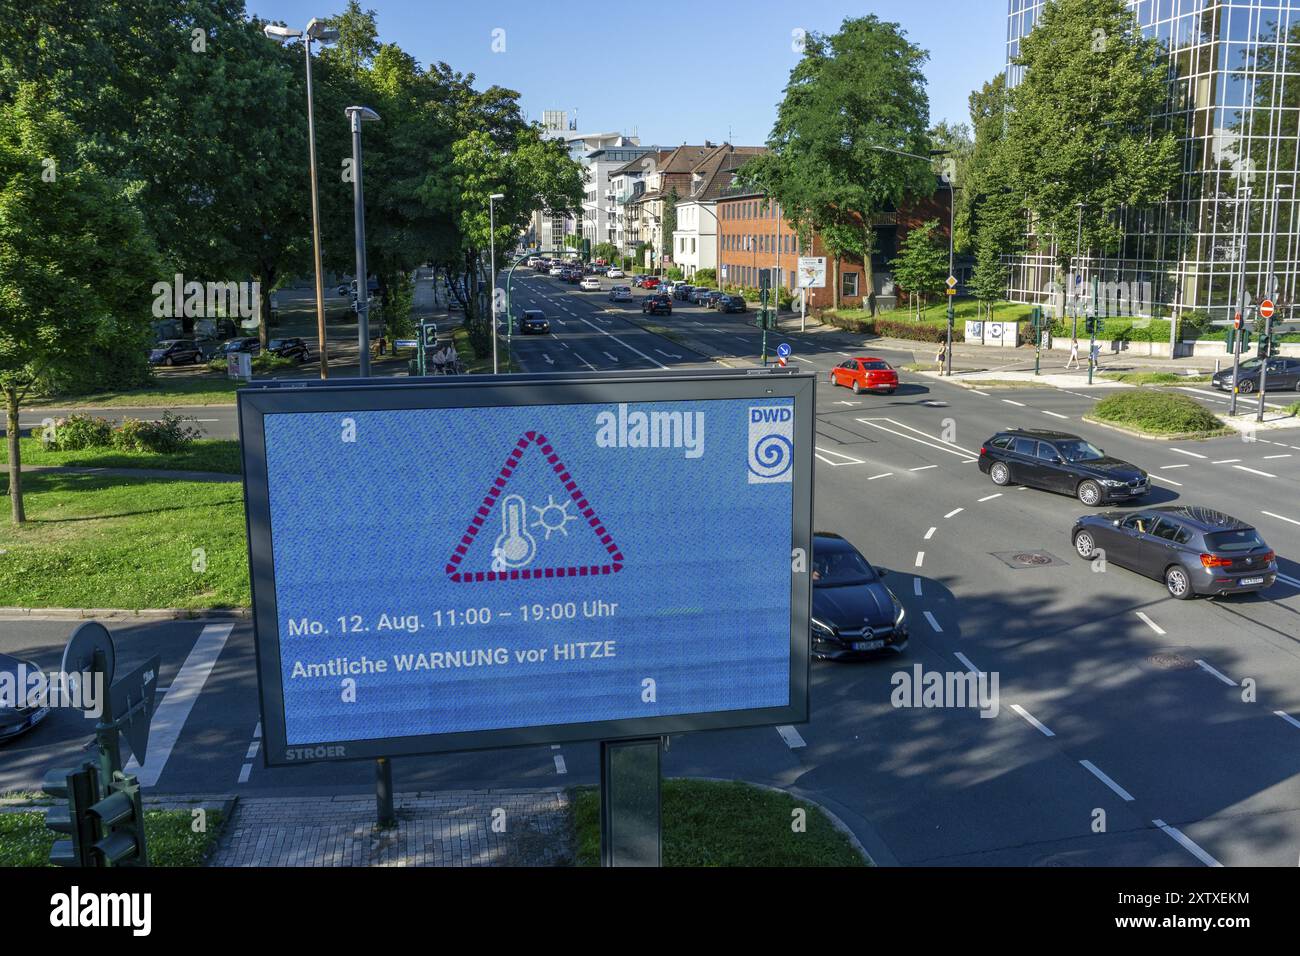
(24, 840)
(476, 365)
(1157, 413)
(726, 823)
(168, 390)
(111, 542)
(1293, 408)
(1154, 378)
(204, 454)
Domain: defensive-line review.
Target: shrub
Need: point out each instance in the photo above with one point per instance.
(1157, 412)
(168, 435)
(77, 432)
(917, 331)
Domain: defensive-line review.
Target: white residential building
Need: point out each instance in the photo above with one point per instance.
(695, 240)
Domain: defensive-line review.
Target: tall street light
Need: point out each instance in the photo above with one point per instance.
(492, 252)
(357, 115)
(1270, 292)
(316, 30)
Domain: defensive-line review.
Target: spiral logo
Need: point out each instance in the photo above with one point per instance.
(771, 456)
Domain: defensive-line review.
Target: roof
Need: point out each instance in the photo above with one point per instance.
(1047, 434)
(1204, 519)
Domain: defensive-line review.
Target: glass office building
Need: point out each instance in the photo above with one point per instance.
(1235, 89)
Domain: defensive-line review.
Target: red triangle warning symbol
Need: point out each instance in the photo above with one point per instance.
(514, 548)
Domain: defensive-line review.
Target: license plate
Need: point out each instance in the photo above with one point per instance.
(1248, 581)
(868, 645)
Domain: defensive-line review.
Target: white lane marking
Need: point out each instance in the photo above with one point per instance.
(1185, 842)
(1017, 404)
(1262, 474)
(1167, 481)
(1053, 414)
(671, 355)
(244, 772)
(978, 392)
(848, 403)
(990, 497)
(1167, 467)
(1033, 720)
(933, 623)
(1151, 624)
(612, 358)
(257, 731)
(169, 719)
(1280, 517)
(1190, 454)
(1266, 457)
(1092, 768)
(916, 586)
(1289, 580)
(850, 460)
(1288, 718)
(252, 750)
(923, 468)
(883, 474)
(930, 534)
(1221, 676)
(1225, 461)
(920, 557)
(967, 662)
(955, 511)
(559, 764)
(624, 344)
(949, 447)
(791, 737)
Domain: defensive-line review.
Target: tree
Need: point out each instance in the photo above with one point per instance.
(990, 207)
(605, 250)
(1080, 130)
(851, 92)
(75, 257)
(989, 279)
(958, 146)
(921, 265)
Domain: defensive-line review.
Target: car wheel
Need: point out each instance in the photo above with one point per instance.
(857, 387)
(1000, 473)
(1247, 387)
(1089, 492)
(198, 357)
(168, 361)
(1084, 544)
(1179, 585)
(831, 378)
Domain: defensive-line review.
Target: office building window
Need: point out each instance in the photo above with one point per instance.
(850, 283)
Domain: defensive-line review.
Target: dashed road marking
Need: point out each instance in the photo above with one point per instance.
(955, 511)
(1053, 414)
(1288, 718)
(1225, 461)
(920, 558)
(1017, 404)
(916, 586)
(990, 497)
(883, 474)
(1221, 676)
(1190, 454)
(930, 534)
(1033, 720)
(1092, 768)
(933, 623)
(1186, 843)
(966, 662)
(1167, 467)
(1268, 457)
(1253, 471)
(1167, 481)
(923, 468)
(1151, 624)
(1280, 517)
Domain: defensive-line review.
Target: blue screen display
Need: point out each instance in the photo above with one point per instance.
(466, 569)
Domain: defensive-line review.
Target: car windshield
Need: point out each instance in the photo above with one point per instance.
(837, 568)
(278, 343)
(1243, 539)
(1079, 450)
(1250, 365)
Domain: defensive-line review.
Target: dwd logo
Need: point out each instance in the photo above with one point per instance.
(771, 444)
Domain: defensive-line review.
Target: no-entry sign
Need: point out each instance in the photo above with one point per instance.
(1266, 309)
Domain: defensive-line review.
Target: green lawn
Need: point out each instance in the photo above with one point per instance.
(937, 313)
(1154, 378)
(725, 823)
(171, 841)
(99, 541)
(167, 390)
(205, 454)
(1157, 413)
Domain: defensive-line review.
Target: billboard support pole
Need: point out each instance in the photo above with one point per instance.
(384, 793)
(630, 819)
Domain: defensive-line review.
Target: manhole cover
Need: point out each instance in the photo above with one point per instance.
(1170, 662)
(1027, 559)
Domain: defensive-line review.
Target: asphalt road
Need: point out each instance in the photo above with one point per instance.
(1132, 729)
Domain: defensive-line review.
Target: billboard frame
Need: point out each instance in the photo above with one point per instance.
(476, 391)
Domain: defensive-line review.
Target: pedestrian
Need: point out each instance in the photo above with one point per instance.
(1094, 356)
(940, 355)
(1074, 354)
(439, 359)
(451, 358)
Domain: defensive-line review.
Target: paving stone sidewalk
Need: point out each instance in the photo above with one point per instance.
(533, 828)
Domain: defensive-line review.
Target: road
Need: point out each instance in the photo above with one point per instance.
(1133, 729)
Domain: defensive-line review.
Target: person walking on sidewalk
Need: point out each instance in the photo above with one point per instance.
(1094, 355)
(940, 355)
(1074, 354)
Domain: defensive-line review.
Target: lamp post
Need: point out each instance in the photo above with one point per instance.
(316, 30)
(357, 115)
(1265, 339)
(492, 283)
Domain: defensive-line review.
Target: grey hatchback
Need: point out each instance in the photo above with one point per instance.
(1193, 550)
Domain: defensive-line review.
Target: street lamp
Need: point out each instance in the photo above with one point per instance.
(1270, 292)
(316, 30)
(492, 251)
(357, 115)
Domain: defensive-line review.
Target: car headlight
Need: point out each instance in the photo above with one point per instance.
(900, 612)
(1112, 483)
(822, 627)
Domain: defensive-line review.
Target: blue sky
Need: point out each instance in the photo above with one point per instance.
(671, 71)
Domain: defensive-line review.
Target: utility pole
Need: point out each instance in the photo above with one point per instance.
(357, 114)
(952, 291)
(1270, 293)
(1238, 318)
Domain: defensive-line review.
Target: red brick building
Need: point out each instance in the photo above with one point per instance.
(752, 236)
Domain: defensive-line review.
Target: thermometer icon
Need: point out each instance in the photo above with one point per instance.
(514, 547)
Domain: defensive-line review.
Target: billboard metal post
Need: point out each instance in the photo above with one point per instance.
(384, 793)
(631, 832)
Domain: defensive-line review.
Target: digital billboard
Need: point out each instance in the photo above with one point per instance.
(502, 561)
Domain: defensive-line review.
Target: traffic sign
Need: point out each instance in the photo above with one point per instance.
(1266, 309)
(781, 360)
(406, 343)
(952, 282)
(783, 350)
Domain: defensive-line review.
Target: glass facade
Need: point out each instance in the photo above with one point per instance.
(1235, 86)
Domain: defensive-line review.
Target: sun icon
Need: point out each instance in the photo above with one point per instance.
(553, 517)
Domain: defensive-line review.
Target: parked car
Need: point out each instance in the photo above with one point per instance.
(620, 293)
(534, 321)
(698, 295)
(1059, 461)
(249, 344)
(1193, 550)
(711, 298)
(15, 720)
(1283, 375)
(573, 277)
(175, 352)
(865, 373)
(650, 282)
(614, 274)
(854, 614)
(289, 348)
(731, 303)
(657, 304)
(683, 292)
(556, 271)
(590, 284)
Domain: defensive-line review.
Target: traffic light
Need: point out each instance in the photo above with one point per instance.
(78, 788)
(1094, 325)
(1270, 346)
(430, 333)
(1230, 339)
(120, 815)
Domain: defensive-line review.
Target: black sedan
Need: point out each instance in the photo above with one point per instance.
(1058, 461)
(1283, 375)
(251, 345)
(731, 303)
(853, 613)
(290, 349)
(16, 717)
(1193, 550)
(175, 352)
(534, 321)
(659, 304)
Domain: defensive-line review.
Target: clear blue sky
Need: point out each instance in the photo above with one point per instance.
(671, 71)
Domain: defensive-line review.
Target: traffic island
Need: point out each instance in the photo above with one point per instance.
(1161, 415)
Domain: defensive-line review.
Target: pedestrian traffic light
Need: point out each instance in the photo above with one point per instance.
(1094, 325)
(1230, 338)
(120, 815)
(77, 787)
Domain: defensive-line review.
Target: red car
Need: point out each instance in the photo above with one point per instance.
(865, 374)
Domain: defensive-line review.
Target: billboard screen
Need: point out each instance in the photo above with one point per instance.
(495, 562)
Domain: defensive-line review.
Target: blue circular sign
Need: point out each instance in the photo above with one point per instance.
(783, 350)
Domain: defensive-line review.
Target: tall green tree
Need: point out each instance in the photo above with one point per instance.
(989, 278)
(921, 265)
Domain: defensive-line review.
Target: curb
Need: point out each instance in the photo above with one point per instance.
(1182, 436)
(122, 614)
